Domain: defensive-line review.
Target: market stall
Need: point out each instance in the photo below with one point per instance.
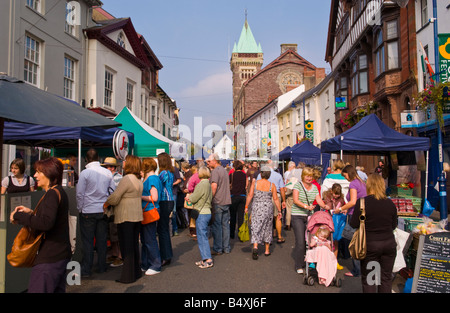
(307, 153)
(22, 102)
(372, 137)
(149, 142)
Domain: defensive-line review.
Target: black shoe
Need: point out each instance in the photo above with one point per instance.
(165, 262)
(255, 254)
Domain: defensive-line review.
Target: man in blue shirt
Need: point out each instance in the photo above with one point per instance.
(94, 185)
(276, 179)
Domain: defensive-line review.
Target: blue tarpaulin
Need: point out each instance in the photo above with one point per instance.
(372, 136)
(62, 137)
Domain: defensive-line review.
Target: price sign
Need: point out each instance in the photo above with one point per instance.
(432, 271)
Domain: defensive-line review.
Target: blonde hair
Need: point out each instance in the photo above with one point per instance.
(323, 230)
(307, 171)
(204, 173)
(338, 165)
(375, 186)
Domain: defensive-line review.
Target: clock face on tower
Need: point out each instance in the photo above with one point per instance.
(290, 80)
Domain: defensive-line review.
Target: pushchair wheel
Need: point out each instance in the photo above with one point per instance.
(337, 282)
(310, 281)
(305, 280)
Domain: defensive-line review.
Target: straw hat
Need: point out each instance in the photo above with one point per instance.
(110, 161)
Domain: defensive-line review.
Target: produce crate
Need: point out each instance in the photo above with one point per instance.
(404, 192)
(411, 223)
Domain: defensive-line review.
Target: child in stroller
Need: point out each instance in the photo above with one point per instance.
(321, 263)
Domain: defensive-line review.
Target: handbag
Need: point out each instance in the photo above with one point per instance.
(27, 243)
(358, 245)
(150, 216)
(244, 232)
(188, 204)
(348, 231)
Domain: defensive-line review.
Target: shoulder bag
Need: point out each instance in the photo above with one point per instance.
(317, 207)
(150, 216)
(358, 246)
(27, 242)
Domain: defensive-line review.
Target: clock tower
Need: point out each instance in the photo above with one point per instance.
(246, 60)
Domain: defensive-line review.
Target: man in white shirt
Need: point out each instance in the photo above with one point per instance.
(94, 185)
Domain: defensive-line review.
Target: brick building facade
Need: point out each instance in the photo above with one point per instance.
(255, 88)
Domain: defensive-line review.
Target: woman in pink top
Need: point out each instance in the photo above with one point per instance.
(192, 182)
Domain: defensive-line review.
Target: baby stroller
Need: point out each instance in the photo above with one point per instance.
(320, 220)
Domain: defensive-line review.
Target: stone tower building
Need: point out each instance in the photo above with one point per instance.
(246, 61)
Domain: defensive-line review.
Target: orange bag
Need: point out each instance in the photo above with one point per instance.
(150, 216)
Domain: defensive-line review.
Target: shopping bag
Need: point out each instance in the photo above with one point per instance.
(339, 221)
(244, 233)
(427, 208)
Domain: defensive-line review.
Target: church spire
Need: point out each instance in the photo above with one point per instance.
(247, 42)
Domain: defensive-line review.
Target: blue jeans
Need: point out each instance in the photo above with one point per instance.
(92, 226)
(221, 228)
(150, 257)
(165, 243)
(174, 215)
(202, 235)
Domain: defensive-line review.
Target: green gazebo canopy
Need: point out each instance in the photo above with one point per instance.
(147, 141)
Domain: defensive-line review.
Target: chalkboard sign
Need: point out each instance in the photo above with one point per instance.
(432, 271)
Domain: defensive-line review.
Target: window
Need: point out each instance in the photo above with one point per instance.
(386, 48)
(109, 80)
(392, 45)
(379, 54)
(69, 78)
(121, 40)
(341, 89)
(359, 75)
(130, 95)
(32, 60)
(164, 129)
(70, 28)
(153, 116)
(423, 12)
(35, 5)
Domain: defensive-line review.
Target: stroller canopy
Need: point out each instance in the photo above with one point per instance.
(318, 219)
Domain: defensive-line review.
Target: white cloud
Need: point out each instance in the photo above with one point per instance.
(216, 84)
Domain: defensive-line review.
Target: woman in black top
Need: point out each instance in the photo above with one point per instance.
(49, 268)
(238, 187)
(381, 221)
(18, 181)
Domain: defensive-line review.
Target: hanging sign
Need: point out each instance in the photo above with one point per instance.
(444, 58)
(309, 130)
(120, 144)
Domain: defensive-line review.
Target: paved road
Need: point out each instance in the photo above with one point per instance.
(236, 272)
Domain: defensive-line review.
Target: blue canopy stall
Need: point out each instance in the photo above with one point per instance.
(372, 136)
(16, 133)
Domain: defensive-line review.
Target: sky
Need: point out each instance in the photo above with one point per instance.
(193, 39)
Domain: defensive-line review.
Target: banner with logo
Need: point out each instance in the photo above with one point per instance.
(309, 130)
(444, 58)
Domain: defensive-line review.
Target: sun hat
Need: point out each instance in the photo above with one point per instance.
(110, 161)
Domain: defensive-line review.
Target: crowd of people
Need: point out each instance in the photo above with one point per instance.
(208, 199)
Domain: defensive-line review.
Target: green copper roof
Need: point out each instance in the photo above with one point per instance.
(247, 43)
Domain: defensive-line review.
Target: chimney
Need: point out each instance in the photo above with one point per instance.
(288, 46)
